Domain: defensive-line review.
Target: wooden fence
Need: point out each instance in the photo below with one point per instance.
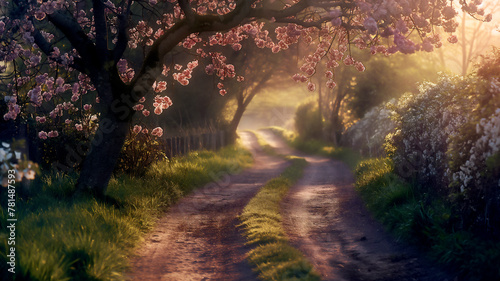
(174, 146)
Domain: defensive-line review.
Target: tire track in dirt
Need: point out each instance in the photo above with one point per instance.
(325, 219)
(197, 239)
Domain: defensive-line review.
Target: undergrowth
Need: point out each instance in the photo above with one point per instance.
(426, 220)
(273, 258)
(62, 237)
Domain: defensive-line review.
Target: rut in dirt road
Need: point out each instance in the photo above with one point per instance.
(326, 220)
(198, 238)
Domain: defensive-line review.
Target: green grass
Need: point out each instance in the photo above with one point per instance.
(273, 258)
(425, 220)
(346, 155)
(59, 237)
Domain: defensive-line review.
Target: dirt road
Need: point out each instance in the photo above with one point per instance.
(198, 240)
(325, 219)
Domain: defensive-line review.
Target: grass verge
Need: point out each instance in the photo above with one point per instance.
(427, 221)
(273, 258)
(346, 155)
(59, 237)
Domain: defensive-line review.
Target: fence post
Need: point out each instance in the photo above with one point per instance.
(168, 147)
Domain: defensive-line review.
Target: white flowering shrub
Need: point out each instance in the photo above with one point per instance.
(425, 123)
(447, 142)
(367, 136)
(475, 163)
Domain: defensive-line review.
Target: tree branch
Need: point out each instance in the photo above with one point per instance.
(188, 12)
(76, 36)
(100, 29)
(47, 49)
(122, 40)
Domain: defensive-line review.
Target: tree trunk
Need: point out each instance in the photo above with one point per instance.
(336, 121)
(233, 126)
(104, 151)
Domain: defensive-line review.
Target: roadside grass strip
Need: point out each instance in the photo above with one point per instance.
(273, 258)
(62, 237)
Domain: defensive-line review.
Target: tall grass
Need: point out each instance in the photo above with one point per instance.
(273, 258)
(59, 237)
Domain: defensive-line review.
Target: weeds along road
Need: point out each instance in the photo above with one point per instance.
(197, 239)
(326, 220)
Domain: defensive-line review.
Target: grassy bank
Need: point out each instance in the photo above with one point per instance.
(426, 220)
(346, 155)
(273, 258)
(59, 237)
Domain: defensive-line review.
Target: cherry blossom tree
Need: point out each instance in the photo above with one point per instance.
(57, 53)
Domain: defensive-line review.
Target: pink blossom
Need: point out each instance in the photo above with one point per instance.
(192, 65)
(53, 134)
(68, 121)
(137, 129)
(331, 84)
(237, 46)
(78, 127)
(453, 39)
(222, 92)
(311, 86)
(40, 119)
(138, 107)
(348, 60)
(145, 112)
(87, 106)
(145, 131)
(359, 66)
(157, 132)
(143, 99)
(42, 135)
(329, 74)
(158, 110)
(370, 25)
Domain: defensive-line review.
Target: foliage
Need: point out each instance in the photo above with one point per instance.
(274, 258)
(409, 215)
(60, 237)
(139, 152)
(308, 121)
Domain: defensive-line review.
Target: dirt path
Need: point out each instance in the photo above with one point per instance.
(327, 221)
(197, 239)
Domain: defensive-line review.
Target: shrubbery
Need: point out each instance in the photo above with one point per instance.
(139, 151)
(440, 182)
(308, 121)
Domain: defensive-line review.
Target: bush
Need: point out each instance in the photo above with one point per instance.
(425, 122)
(367, 136)
(139, 151)
(308, 121)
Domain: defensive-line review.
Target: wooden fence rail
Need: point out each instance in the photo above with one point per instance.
(174, 146)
